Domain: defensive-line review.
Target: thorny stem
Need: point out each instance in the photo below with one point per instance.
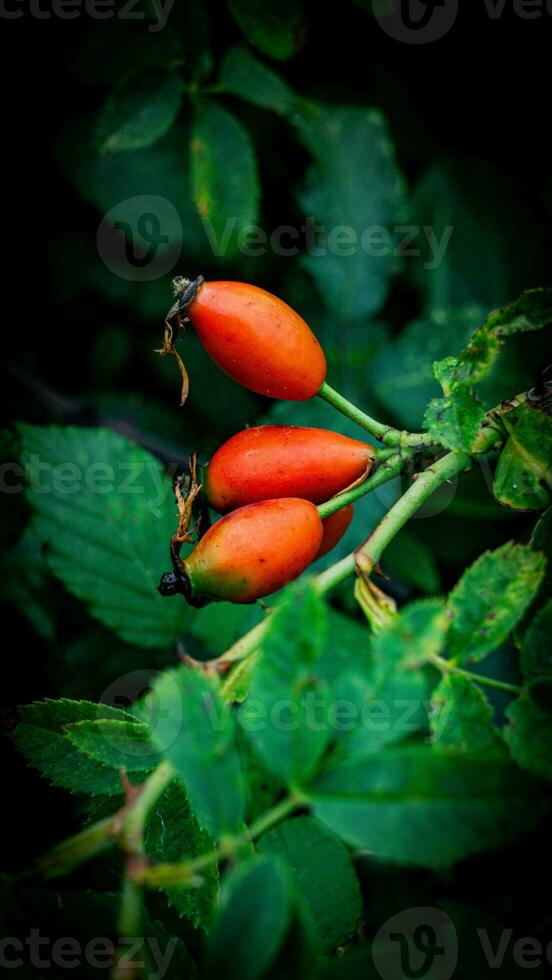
(419, 491)
(126, 826)
(135, 818)
(370, 552)
(185, 873)
(129, 926)
(64, 856)
(448, 667)
(385, 433)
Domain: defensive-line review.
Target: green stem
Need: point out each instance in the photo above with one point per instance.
(447, 667)
(65, 856)
(130, 909)
(185, 873)
(127, 826)
(382, 455)
(386, 471)
(132, 831)
(394, 520)
(244, 646)
(129, 926)
(423, 487)
(385, 433)
(276, 814)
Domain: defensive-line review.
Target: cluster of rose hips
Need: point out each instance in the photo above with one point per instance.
(266, 481)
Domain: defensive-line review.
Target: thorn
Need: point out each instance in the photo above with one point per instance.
(379, 571)
(130, 791)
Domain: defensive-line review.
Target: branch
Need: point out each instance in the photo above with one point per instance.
(385, 433)
(447, 667)
(185, 873)
(388, 470)
(132, 818)
(370, 552)
(125, 827)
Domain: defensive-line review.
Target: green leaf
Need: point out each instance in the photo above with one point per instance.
(536, 650)
(139, 112)
(104, 508)
(523, 478)
(264, 789)
(452, 420)
(254, 917)
(413, 637)
(462, 718)
(346, 666)
(193, 728)
(490, 598)
(387, 687)
(225, 182)
(119, 744)
(242, 75)
(129, 187)
(323, 874)
(290, 698)
(274, 31)
(42, 738)
(531, 311)
(402, 374)
(425, 805)
(529, 736)
(172, 834)
(354, 182)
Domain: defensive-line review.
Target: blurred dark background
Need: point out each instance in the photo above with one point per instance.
(468, 118)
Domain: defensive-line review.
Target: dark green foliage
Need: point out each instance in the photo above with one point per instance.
(339, 776)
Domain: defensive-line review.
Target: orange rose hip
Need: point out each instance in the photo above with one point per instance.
(284, 461)
(257, 339)
(252, 552)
